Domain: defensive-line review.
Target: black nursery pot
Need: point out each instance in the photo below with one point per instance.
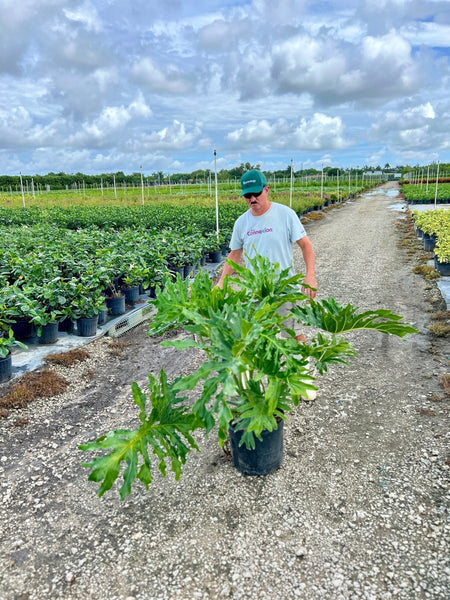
(87, 326)
(115, 305)
(23, 329)
(131, 294)
(102, 316)
(49, 334)
(5, 368)
(264, 459)
(216, 256)
(66, 325)
(188, 270)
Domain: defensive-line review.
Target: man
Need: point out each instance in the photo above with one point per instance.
(271, 229)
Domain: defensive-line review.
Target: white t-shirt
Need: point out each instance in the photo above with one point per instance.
(272, 234)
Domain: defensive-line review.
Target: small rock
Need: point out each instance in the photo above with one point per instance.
(70, 577)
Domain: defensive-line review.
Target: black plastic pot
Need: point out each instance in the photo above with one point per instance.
(23, 329)
(174, 271)
(102, 316)
(264, 459)
(66, 325)
(187, 270)
(5, 368)
(429, 242)
(131, 294)
(87, 326)
(115, 305)
(49, 334)
(442, 267)
(215, 257)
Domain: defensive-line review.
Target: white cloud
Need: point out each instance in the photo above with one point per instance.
(181, 78)
(427, 33)
(110, 123)
(169, 79)
(280, 12)
(13, 121)
(414, 128)
(378, 68)
(218, 35)
(175, 136)
(318, 133)
(86, 14)
(306, 64)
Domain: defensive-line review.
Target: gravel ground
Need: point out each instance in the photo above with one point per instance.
(358, 510)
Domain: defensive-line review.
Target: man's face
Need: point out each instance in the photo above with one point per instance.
(258, 203)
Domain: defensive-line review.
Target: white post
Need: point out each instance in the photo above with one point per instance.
(349, 184)
(337, 179)
(21, 189)
(290, 188)
(437, 181)
(115, 189)
(32, 189)
(428, 176)
(217, 193)
(321, 186)
(101, 184)
(142, 187)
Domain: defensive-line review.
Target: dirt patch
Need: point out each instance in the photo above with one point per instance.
(358, 509)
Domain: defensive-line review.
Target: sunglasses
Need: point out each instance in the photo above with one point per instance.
(253, 195)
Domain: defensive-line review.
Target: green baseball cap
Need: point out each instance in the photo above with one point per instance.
(252, 182)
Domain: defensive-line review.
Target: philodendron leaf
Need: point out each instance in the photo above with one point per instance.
(166, 431)
(333, 317)
(183, 344)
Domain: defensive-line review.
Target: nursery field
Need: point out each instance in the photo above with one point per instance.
(358, 508)
(63, 257)
(304, 194)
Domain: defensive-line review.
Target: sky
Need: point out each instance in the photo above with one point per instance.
(99, 86)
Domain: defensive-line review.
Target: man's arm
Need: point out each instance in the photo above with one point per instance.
(235, 256)
(310, 263)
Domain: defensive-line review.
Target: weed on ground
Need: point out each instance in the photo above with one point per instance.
(30, 387)
(440, 325)
(66, 359)
(117, 348)
(445, 383)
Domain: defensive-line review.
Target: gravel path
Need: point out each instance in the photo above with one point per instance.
(358, 510)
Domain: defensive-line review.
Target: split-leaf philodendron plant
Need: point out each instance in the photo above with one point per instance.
(254, 371)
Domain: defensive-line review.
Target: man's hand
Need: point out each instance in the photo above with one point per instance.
(310, 280)
(235, 256)
(310, 262)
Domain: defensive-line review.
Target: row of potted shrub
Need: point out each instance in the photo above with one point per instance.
(51, 276)
(433, 226)
(418, 193)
